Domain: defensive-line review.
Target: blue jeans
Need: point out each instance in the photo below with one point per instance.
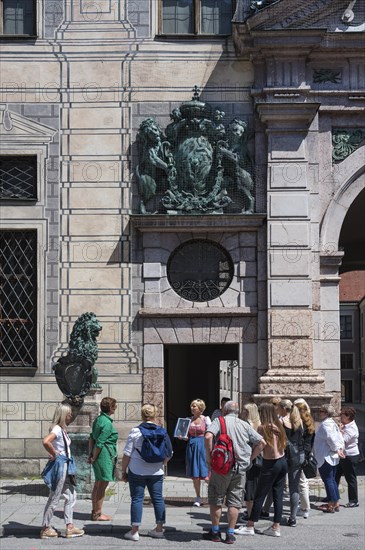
(328, 475)
(137, 485)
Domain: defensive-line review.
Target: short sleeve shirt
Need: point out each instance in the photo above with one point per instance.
(243, 436)
(59, 443)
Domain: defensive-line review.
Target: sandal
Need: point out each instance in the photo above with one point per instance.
(98, 516)
(328, 508)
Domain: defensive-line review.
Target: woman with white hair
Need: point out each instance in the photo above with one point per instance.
(57, 474)
(328, 449)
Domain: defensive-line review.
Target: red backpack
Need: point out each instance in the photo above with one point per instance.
(222, 460)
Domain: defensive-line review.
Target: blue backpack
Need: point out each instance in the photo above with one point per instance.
(155, 446)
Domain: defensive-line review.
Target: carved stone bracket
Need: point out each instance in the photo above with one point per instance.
(345, 141)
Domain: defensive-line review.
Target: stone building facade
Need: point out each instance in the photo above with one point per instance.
(76, 85)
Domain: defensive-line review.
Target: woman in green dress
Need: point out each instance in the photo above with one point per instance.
(103, 455)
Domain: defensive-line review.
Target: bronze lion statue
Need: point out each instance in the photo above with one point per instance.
(83, 337)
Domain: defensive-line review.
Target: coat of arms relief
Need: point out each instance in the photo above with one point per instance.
(197, 166)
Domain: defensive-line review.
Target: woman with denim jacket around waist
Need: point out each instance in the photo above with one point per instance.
(57, 472)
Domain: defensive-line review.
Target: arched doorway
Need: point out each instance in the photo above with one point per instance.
(352, 302)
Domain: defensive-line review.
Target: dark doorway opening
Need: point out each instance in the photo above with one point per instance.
(191, 372)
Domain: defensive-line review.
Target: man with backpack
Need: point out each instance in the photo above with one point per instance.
(236, 445)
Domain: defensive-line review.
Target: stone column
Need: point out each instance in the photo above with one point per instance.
(291, 274)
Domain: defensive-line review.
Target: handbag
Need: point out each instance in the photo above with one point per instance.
(294, 456)
(310, 466)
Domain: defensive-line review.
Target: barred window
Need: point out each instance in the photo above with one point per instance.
(196, 16)
(18, 17)
(18, 177)
(18, 298)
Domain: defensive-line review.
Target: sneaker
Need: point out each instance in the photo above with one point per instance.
(264, 515)
(156, 534)
(49, 533)
(303, 513)
(213, 536)
(229, 538)
(132, 536)
(291, 522)
(243, 530)
(74, 532)
(197, 501)
(352, 505)
(270, 532)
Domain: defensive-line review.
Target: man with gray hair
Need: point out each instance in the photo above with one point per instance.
(247, 445)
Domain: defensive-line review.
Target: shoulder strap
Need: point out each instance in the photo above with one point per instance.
(223, 425)
(65, 444)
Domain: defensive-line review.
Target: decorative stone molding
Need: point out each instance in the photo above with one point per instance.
(345, 141)
(320, 76)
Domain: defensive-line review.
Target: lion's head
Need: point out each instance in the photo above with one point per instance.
(150, 132)
(83, 337)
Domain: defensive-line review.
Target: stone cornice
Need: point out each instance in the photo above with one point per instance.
(281, 114)
(205, 312)
(208, 223)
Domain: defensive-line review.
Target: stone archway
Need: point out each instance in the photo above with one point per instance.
(349, 180)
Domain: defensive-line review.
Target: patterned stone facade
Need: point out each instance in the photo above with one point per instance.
(77, 96)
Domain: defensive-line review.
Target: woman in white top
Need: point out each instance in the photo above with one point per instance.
(328, 448)
(347, 465)
(142, 474)
(57, 444)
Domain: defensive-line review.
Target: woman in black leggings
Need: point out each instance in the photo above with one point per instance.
(273, 471)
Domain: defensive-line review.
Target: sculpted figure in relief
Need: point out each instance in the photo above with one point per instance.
(236, 160)
(155, 160)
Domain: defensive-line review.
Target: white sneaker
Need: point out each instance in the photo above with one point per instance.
(156, 534)
(197, 501)
(243, 530)
(270, 532)
(132, 536)
(303, 513)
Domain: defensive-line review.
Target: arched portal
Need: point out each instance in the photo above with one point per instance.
(343, 275)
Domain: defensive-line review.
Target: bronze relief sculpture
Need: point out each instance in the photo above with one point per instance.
(198, 167)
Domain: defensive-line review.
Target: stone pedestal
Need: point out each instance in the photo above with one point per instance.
(79, 433)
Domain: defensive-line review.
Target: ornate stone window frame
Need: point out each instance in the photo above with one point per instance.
(22, 136)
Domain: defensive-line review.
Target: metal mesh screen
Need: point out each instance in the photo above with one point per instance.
(18, 293)
(18, 177)
(200, 270)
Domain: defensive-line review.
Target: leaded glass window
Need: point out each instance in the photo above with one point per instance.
(18, 17)
(200, 270)
(18, 177)
(18, 298)
(197, 16)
